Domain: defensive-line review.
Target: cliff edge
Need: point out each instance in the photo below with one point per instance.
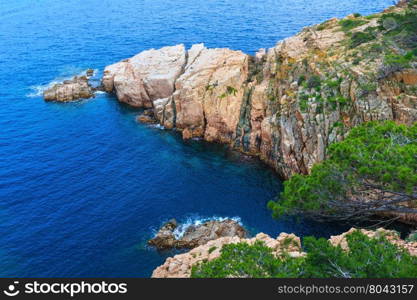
(288, 103)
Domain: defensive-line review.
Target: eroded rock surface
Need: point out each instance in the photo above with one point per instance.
(70, 90)
(196, 235)
(148, 76)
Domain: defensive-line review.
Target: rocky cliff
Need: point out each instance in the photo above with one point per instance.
(288, 103)
(180, 265)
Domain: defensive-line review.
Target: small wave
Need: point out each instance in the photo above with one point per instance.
(195, 221)
(37, 90)
(157, 126)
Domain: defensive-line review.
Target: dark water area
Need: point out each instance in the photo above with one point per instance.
(82, 185)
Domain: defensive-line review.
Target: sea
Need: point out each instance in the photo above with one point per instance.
(83, 186)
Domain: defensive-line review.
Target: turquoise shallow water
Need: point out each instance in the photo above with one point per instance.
(82, 185)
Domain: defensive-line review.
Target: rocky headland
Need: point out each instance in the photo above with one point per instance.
(285, 104)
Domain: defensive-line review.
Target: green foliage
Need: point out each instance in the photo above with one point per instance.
(211, 249)
(301, 79)
(412, 237)
(323, 25)
(357, 15)
(366, 258)
(384, 154)
(338, 101)
(360, 37)
(243, 260)
(349, 24)
(400, 27)
(314, 82)
(229, 91)
(255, 69)
(356, 61)
(402, 61)
(303, 102)
(368, 86)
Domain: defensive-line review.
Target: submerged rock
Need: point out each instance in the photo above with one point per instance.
(196, 235)
(69, 90)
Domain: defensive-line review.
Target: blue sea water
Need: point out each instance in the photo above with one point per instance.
(82, 185)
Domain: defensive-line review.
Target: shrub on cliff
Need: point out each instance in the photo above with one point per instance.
(373, 171)
(243, 260)
(322, 261)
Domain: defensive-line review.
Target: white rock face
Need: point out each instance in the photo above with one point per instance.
(209, 93)
(148, 76)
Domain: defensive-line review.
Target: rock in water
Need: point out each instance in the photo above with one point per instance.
(69, 90)
(196, 235)
(89, 72)
(165, 238)
(146, 117)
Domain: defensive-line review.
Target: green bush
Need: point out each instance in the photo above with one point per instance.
(349, 24)
(412, 237)
(359, 38)
(314, 82)
(375, 158)
(243, 260)
(322, 261)
(402, 61)
(400, 28)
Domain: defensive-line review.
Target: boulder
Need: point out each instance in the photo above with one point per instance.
(165, 238)
(145, 77)
(69, 90)
(196, 235)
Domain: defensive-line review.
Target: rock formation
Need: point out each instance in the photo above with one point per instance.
(145, 77)
(392, 236)
(146, 117)
(69, 90)
(285, 104)
(195, 235)
(180, 265)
